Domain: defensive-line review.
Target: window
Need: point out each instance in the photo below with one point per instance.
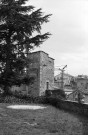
(47, 85)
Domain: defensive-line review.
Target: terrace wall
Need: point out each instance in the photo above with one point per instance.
(69, 105)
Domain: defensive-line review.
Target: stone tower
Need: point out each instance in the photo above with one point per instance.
(41, 67)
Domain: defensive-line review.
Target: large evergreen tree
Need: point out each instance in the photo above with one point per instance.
(20, 31)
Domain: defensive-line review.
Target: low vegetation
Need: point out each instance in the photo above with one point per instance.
(48, 121)
(22, 99)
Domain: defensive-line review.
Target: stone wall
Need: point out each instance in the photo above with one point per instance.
(69, 105)
(33, 71)
(46, 72)
(23, 89)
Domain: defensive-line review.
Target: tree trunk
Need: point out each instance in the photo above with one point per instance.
(8, 66)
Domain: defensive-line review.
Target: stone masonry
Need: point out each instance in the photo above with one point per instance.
(41, 67)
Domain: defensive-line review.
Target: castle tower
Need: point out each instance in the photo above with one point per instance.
(41, 67)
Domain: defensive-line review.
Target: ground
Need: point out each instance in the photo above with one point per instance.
(47, 121)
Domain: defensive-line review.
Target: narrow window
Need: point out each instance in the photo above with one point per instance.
(47, 85)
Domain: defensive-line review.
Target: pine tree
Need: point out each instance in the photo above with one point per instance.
(20, 32)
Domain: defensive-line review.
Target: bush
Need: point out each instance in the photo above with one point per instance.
(58, 93)
(22, 99)
(52, 101)
(11, 99)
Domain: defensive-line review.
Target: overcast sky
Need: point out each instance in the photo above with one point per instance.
(68, 25)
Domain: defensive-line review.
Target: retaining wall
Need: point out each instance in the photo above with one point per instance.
(69, 105)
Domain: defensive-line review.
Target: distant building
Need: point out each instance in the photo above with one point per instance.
(82, 88)
(66, 80)
(82, 82)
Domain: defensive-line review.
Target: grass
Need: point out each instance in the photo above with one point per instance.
(48, 121)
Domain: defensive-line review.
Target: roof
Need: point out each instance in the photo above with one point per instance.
(41, 52)
(59, 75)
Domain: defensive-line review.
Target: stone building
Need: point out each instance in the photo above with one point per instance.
(82, 83)
(41, 67)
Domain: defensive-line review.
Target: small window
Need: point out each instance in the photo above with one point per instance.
(47, 85)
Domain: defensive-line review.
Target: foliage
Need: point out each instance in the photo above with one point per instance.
(56, 93)
(20, 32)
(20, 98)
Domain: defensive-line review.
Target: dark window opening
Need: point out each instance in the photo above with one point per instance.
(47, 85)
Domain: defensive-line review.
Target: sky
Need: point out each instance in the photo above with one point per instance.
(68, 44)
